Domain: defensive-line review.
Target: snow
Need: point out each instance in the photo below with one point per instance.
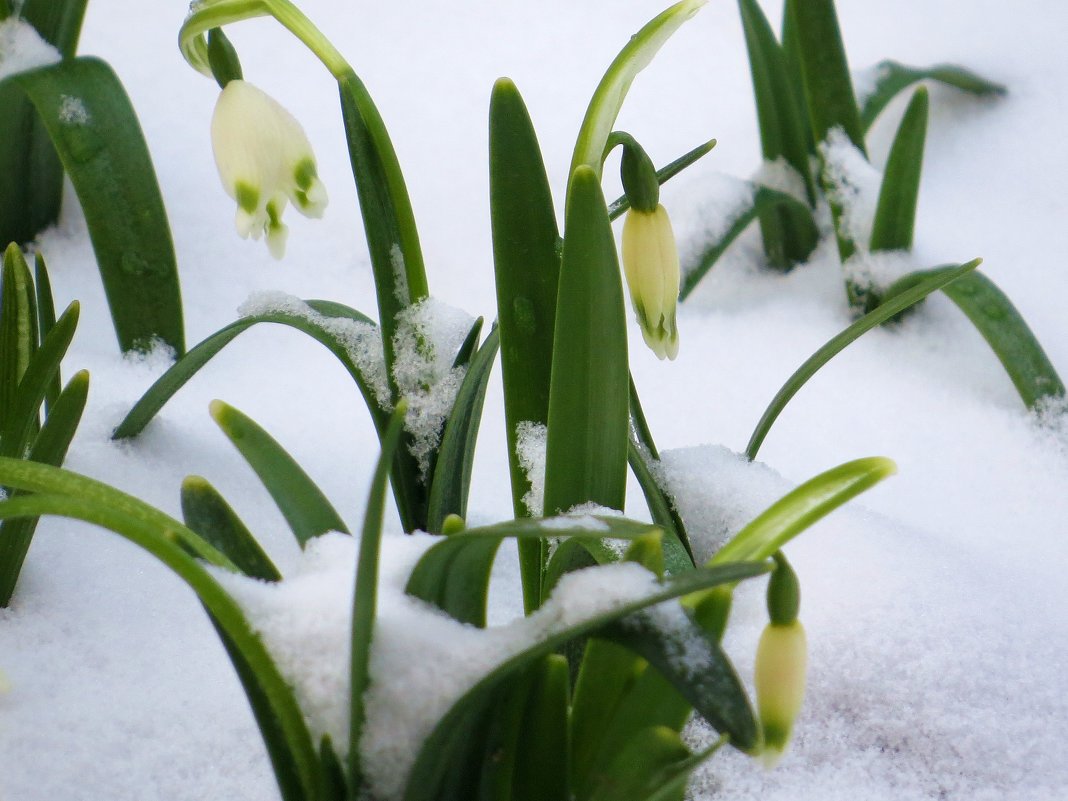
(933, 603)
(530, 446)
(852, 184)
(23, 49)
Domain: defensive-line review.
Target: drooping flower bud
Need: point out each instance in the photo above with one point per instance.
(651, 264)
(264, 160)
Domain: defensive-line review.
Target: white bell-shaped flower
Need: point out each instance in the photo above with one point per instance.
(651, 264)
(264, 160)
(779, 676)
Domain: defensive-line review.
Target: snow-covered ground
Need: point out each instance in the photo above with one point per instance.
(934, 604)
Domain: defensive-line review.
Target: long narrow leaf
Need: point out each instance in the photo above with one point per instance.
(49, 447)
(441, 755)
(894, 77)
(621, 204)
(895, 214)
(18, 337)
(289, 742)
(301, 502)
(94, 129)
(834, 346)
(46, 319)
(1004, 329)
(366, 592)
(653, 765)
(58, 21)
(586, 452)
(451, 481)
(322, 324)
(543, 747)
(206, 512)
(765, 202)
(612, 90)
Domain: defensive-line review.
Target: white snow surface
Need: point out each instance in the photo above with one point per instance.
(22, 48)
(934, 603)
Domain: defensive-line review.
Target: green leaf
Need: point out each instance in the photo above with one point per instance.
(49, 447)
(324, 323)
(608, 97)
(765, 202)
(541, 766)
(799, 509)
(451, 482)
(445, 753)
(18, 334)
(895, 214)
(653, 765)
(586, 453)
(620, 205)
(31, 175)
(95, 131)
(366, 590)
(891, 307)
(22, 418)
(46, 319)
(526, 262)
(782, 126)
(388, 220)
(206, 512)
(824, 70)
(301, 502)
(1004, 329)
(454, 573)
(894, 77)
(283, 728)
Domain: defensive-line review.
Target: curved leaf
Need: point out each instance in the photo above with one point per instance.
(304, 506)
(765, 202)
(937, 279)
(608, 97)
(95, 131)
(895, 77)
(1004, 329)
(18, 328)
(895, 214)
(446, 751)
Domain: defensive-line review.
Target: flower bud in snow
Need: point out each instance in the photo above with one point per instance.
(264, 160)
(780, 684)
(651, 264)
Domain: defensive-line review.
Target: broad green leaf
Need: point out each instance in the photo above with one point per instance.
(608, 97)
(284, 729)
(653, 765)
(782, 126)
(895, 214)
(586, 453)
(46, 319)
(440, 758)
(454, 573)
(206, 512)
(526, 262)
(1004, 329)
(22, 418)
(301, 502)
(765, 202)
(824, 70)
(541, 765)
(320, 324)
(18, 334)
(365, 593)
(894, 77)
(95, 131)
(886, 311)
(451, 481)
(333, 785)
(49, 447)
(620, 205)
(31, 175)
(388, 220)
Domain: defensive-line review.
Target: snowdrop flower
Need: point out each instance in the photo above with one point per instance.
(651, 264)
(780, 684)
(264, 160)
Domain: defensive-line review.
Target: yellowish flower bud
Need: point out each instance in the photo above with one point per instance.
(780, 684)
(651, 264)
(264, 160)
